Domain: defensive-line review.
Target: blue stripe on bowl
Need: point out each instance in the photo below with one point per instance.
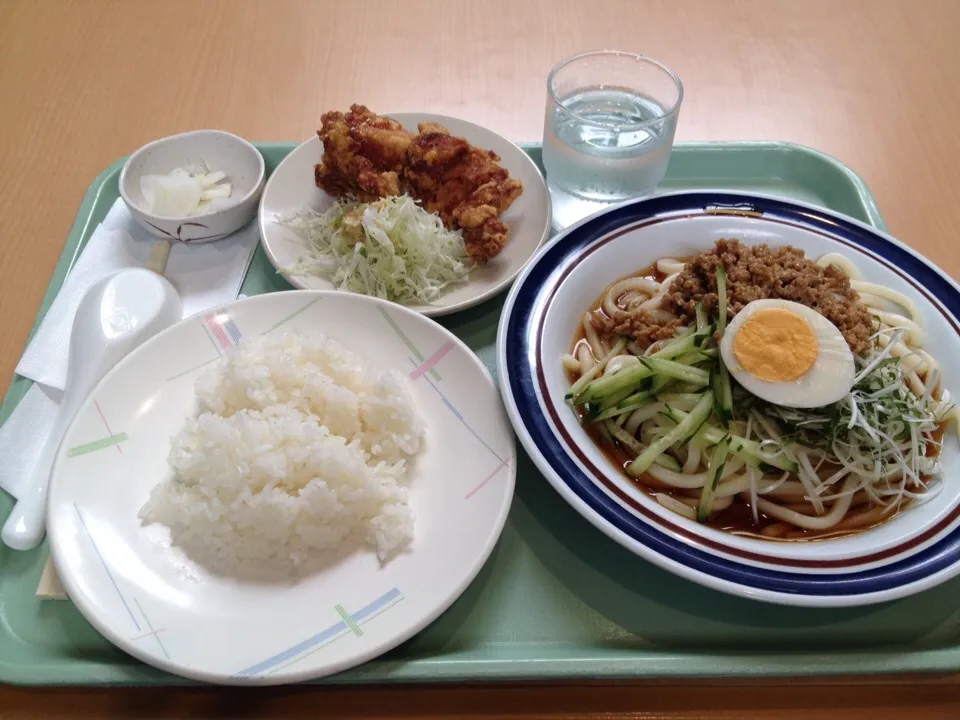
(526, 304)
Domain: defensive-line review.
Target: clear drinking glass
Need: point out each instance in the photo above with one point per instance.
(608, 130)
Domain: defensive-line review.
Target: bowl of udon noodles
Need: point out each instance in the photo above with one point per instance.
(751, 393)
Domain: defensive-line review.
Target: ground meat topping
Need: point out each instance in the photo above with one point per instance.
(639, 326)
(758, 272)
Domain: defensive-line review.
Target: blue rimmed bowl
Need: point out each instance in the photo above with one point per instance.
(914, 550)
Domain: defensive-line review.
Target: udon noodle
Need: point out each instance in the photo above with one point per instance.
(764, 470)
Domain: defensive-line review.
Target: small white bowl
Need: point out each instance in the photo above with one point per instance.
(219, 150)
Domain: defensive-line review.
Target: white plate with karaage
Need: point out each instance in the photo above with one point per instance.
(292, 188)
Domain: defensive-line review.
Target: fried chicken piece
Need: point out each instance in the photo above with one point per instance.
(431, 155)
(479, 216)
(363, 154)
(465, 186)
(432, 127)
(484, 234)
(367, 156)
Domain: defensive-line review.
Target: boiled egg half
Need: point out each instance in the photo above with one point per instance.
(788, 354)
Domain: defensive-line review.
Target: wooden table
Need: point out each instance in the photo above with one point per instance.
(83, 82)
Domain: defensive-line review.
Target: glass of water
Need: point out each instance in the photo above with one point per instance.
(608, 130)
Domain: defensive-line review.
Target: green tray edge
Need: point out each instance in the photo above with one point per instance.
(66, 671)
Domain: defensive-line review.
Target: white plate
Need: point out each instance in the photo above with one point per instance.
(154, 603)
(291, 188)
(912, 551)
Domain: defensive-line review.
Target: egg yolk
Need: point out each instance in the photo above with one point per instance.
(776, 345)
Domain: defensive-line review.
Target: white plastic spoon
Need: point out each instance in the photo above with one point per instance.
(115, 316)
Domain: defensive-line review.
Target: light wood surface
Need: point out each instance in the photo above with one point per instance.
(82, 82)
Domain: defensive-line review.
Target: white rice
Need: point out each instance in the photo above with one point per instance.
(298, 448)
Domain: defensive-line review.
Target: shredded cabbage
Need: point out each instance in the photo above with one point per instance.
(390, 248)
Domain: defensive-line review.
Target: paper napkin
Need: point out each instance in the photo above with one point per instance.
(205, 276)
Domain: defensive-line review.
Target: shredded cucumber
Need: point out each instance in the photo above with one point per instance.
(721, 299)
(748, 450)
(596, 370)
(717, 462)
(676, 370)
(684, 430)
(601, 388)
(722, 388)
(631, 442)
(724, 394)
(701, 319)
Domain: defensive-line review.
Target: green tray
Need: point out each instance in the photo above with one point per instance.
(557, 600)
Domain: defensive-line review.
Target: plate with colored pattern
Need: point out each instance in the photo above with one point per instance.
(154, 600)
